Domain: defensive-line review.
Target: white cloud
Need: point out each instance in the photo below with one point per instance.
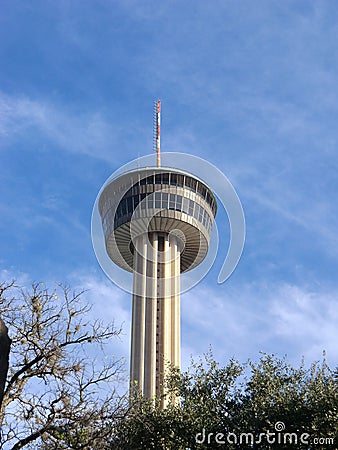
(109, 304)
(306, 320)
(237, 321)
(20, 278)
(273, 318)
(87, 133)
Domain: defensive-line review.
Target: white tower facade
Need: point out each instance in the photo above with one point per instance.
(157, 224)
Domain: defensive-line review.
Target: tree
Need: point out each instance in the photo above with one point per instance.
(264, 405)
(58, 394)
(302, 401)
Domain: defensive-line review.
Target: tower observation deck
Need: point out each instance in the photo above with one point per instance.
(157, 223)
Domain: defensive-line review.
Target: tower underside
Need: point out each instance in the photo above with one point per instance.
(155, 339)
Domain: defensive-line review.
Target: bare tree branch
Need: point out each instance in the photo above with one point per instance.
(56, 395)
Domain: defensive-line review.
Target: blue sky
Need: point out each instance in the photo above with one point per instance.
(249, 86)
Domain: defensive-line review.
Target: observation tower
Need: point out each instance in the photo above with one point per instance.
(157, 223)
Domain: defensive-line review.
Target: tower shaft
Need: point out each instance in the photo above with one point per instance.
(155, 340)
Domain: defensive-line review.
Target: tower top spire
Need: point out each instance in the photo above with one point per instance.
(157, 130)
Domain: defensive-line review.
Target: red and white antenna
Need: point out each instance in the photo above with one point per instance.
(157, 130)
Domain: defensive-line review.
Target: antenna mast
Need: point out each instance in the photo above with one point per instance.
(157, 130)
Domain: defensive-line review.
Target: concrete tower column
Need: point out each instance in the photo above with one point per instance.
(150, 318)
(138, 314)
(156, 311)
(175, 303)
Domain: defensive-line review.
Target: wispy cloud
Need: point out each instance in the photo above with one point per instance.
(233, 320)
(306, 320)
(108, 303)
(273, 317)
(9, 274)
(84, 133)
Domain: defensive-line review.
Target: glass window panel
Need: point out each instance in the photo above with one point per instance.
(188, 181)
(157, 199)
(124, 207)
(165, 178)
(173, 178)
(143, 201)
(165, 199)
(129, 204)
(179, 202)
(185, 206)
(180, 180)
(136, 201)
(158, 178)
(150, 200)
(172, 201)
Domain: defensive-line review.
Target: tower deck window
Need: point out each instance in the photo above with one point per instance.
(179, 202)
(150, 200)
(158, 178)
(173, 179)
(124, 207)
(180, 180)
(191, 183)
(191, 207)
(129, 204)
(165, 178)
(157, 199)
(165, 200)
(172, 201)
(143, 201)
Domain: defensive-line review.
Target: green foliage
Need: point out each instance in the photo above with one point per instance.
(244, 402)
(149, 427)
